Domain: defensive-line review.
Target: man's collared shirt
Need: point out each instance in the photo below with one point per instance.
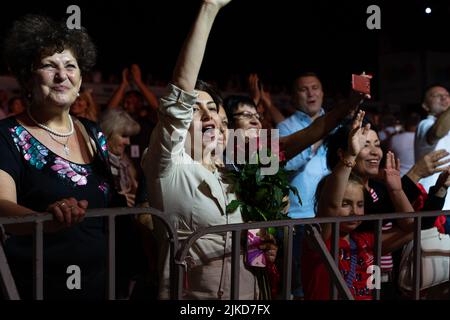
(308, 167)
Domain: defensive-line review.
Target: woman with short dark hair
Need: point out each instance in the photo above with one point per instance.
(53, 163)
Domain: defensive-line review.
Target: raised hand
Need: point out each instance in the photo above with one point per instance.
(391, 173)
(431, 162)
(356, 98)
(68, 211)
(443, 182)
(253, 86)
(136, 73)
(125, 74)
(358, 135)
(218, 3)
(266, 98)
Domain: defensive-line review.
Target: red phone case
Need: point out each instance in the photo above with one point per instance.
(361, 83)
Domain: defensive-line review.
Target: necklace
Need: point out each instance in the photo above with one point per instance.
(56, 133)
(64, 144)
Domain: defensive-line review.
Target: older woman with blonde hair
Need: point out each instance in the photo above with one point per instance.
(85, 106)
(119, 126)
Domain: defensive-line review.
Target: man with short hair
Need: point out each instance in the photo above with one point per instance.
(309, 166)
(433, 132)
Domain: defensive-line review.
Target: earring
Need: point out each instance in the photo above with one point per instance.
(78, 94)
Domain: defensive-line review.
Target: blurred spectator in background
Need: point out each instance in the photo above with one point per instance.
(433, 132)
(402, 144)
(133, 102)
(85, 106)
(118, 127)
(3, 104)
(16, 106)
(389, 127)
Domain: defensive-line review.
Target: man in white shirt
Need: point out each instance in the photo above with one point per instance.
(433, 132)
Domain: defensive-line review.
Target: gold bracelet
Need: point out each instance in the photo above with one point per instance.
(349, 163)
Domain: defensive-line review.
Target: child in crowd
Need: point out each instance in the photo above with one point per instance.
(342, 194)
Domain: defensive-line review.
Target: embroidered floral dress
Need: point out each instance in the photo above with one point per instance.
(42, 177)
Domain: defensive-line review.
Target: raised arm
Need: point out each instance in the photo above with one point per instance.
(436, 198)
(149, 96)
(428, 165)
(191, 56)
(295, 143)
(391, 175)
(440, 128)
(332, 194)
(263, 100)
(399, 234)
(118, 95)
(176, 109)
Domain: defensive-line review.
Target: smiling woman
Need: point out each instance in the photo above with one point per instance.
(52, 162)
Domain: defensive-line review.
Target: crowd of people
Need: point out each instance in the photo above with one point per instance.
(62, 153)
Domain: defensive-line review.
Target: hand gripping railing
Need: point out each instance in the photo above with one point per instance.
(7, 282)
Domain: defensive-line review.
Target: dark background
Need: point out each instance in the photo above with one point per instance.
(278, 39)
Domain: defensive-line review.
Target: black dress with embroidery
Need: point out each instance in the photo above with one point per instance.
(42, 177)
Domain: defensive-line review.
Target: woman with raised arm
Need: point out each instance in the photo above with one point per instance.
(183, 180)
(378, 198)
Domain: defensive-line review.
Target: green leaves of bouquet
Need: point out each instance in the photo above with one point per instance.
(261, 197)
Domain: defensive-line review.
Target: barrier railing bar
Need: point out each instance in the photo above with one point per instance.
(417, 257)
(38, 270)
(334, 253)
(7, 283)
(287, 262)
(111, 257)
(235, 263)
(377, 253)
(315, 240)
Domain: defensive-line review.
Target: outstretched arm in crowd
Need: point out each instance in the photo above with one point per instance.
(176, 109)
(295, 143)
(439, 129)
(149, 96)
(263, 101)
(191, 56)
(428, 165)
(136, 75)
(332, 195)
(436, 198)
(400, 233)
(118, 95)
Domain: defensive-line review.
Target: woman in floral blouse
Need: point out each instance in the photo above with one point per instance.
(53, 163)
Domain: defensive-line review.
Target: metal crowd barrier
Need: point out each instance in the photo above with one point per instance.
(7, 282)
(339, 287)
(179, 251)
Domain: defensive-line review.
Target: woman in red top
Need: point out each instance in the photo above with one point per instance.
(342, 194)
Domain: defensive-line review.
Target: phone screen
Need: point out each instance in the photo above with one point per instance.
(361, 84)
